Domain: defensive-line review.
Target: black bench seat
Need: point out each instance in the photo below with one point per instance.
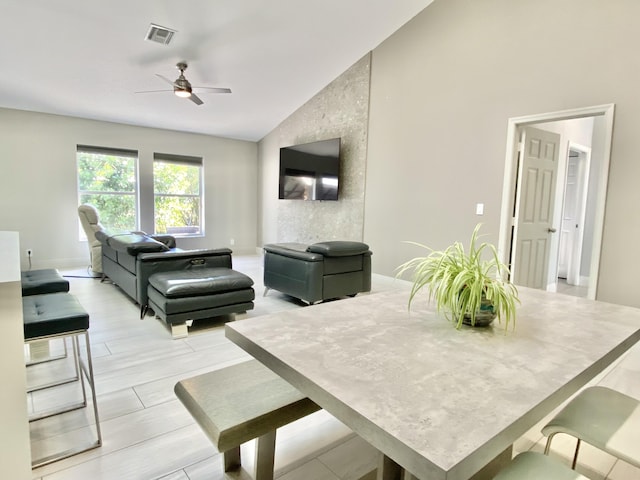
(52, 314)
(47, 280)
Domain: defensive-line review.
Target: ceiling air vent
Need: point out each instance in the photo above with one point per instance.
(159, 34)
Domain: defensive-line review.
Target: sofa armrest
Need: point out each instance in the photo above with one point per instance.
(339, 248)
(281, 249)
(132, 243)
(168, 240)
(103, 237)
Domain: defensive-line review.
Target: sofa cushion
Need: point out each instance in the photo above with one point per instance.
(199, 281)
(135, 243)
(339, 248)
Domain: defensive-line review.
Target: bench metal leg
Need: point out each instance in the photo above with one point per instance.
(265, 453)
(54, 383)
(232, 459)
(85, 373)
(41, 353)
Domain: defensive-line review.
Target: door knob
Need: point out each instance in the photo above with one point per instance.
(551, 230)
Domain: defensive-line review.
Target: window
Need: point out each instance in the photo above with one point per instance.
(177, 189)
(107, 179)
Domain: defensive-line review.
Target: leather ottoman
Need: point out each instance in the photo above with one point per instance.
(183, 296)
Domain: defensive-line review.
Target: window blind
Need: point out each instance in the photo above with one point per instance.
(119, 152)
(169, 157)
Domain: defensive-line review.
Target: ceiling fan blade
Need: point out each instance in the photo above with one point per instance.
(213, 89)
(170, 82)
(154, 91)
(195, 99)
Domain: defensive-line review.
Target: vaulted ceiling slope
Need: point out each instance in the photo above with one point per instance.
(88, 58)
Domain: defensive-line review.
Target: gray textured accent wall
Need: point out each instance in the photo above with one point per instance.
(340, 110)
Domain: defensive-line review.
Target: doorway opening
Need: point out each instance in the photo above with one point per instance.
(574, 236)
(550, 176)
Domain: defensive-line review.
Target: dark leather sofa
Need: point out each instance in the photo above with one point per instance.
(129, 259)
(317, 272)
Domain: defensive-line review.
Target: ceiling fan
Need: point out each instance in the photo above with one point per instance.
(183, 88)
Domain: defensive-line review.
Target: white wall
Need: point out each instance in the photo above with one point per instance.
(442, 90)
(38, 185)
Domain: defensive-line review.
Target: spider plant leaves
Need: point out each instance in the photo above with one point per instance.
(459, 281)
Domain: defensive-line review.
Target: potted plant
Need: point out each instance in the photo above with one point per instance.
(468, 286)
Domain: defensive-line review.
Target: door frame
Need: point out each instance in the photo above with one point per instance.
(507, 213)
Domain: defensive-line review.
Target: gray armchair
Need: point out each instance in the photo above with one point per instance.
(91, 224)
(318, 272)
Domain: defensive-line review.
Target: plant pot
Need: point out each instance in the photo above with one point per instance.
(484, 316)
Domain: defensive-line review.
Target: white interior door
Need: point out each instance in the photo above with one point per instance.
(534, 207)
(569, 215)
(574, 214)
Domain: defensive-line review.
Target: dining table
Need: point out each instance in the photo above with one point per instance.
(437, 402)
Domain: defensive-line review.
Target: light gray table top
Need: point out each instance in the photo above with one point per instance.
(440, 402)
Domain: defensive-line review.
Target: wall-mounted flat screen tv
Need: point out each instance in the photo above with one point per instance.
(310, 171)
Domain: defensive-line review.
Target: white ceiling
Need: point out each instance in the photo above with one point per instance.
(87, 58)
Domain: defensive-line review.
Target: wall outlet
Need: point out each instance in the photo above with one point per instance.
(480, 209)
(29, 252)
(232, 241)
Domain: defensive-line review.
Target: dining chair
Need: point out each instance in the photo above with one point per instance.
(535, 466)
(605, 418)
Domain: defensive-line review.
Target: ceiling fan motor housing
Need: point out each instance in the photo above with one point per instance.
(182, 84)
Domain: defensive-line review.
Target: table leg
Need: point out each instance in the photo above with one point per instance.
(492, 468)
(231, 459)
(265, 452)
(388, 469)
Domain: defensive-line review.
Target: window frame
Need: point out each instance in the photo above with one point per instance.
(191, 161)
(117, 152)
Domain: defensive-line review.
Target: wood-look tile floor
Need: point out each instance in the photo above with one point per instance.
(147, 434)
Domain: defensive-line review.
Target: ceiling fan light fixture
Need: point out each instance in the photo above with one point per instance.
(182, 87)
